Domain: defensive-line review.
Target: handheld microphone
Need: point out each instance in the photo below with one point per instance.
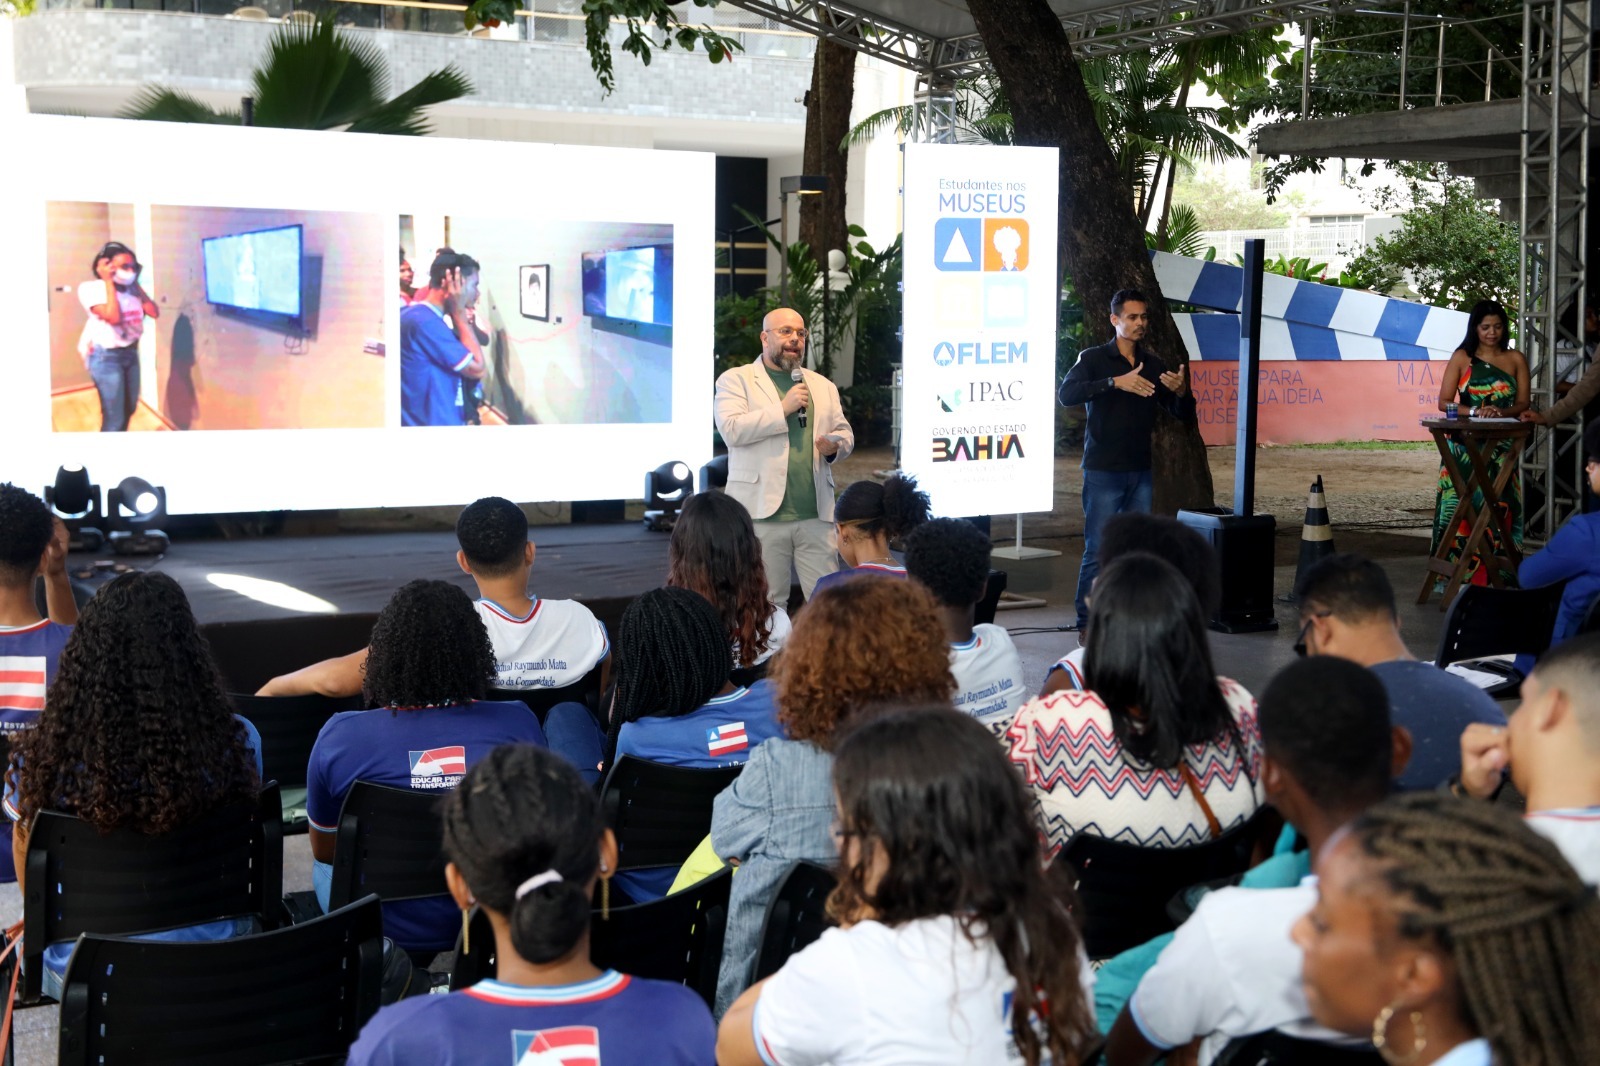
(797, 377)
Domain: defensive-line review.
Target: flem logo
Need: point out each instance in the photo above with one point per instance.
(987, 244)
(977, 353)
(977, 448)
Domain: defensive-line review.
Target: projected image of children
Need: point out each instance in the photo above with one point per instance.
(242, 318)
(571, 321)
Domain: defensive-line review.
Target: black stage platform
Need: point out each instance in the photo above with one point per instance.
(604, 566)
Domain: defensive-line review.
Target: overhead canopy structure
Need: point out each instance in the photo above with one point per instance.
(938, 39)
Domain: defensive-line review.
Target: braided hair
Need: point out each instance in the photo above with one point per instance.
(672, 656)
(521, 811)
(1523, 928)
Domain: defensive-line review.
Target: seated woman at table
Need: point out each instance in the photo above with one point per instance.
(1490, 378)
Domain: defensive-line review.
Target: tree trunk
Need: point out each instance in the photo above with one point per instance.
(1101, 243)
(822, 218)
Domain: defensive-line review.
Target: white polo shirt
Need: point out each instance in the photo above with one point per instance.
(988, 673)
(1576, 831)
(555, 644)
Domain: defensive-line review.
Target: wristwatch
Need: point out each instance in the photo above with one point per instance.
(1111, 382)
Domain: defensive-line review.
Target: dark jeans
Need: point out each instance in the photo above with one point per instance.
(1105, 494)
(115, 372)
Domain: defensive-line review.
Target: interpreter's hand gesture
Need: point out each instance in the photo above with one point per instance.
(1177, 380)
(1135, 382)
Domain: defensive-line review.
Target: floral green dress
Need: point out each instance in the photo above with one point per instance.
(1487, 386)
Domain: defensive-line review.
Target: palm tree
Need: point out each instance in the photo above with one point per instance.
(315, 78)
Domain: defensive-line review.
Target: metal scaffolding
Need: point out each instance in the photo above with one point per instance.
(1556, 78)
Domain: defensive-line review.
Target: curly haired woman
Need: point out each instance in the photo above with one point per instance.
(136, 733)
(428, 666)
(714, 551)
(865, 643)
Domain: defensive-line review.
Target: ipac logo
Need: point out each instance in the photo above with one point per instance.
(976, 448)
(980, 392)
(977, 353)
(989, 244)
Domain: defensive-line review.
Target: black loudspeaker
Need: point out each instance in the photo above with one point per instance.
(1244, 548)
(596, 512)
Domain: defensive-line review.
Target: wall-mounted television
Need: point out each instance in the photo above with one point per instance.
(256, 271)
(629, 284)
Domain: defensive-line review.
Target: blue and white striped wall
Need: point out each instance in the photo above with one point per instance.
(1303, 320)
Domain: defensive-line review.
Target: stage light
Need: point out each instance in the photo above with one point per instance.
(665, 489)
(714, 475)
(75, 499)
(136, 509)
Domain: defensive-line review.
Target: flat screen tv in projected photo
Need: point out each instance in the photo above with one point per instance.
(629, 284)
(257, 271)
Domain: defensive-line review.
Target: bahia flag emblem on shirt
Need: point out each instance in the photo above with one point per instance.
(726, 739)
(570, 1045)
(22, 682)
(439, 762)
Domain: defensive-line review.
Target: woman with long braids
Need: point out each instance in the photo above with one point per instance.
(714, 551)
(673, 703)
(1447, 931)
(858, 646)
(136, 733)
(867, 518)
(952, 947)
(429, 665)
(526, 844)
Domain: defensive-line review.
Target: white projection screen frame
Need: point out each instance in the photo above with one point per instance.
(590, 419)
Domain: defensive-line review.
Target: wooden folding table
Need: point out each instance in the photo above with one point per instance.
(1477, 438)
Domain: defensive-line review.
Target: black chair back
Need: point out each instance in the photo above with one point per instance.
(1123, 888)
(475, 954)
(388, 845)
(299, 994)
(749, 675)
(795, 918)
(659, 813)
(676, 938)
(1486, 621)
(289, 726)
(228, 864)
(1279, 1049)
(1591, 619)
(585, 690)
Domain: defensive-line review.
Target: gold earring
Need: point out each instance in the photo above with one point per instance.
(466, 932)
(1380, 1036)
(605, 898)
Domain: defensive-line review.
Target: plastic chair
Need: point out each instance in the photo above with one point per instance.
(676, 938)
(228, 864)
(585, 690)
(659, 813)
(301, 18)
(795, 918)
(388, 845)
(289, 726)
(1123, 888)
(1485, 622)
(299, 994)
(1279, 1049)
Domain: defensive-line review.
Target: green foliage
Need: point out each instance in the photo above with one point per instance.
(314, 77)
(1300, 268)
(1184, 235)
(648, 25)
(18, 8)
(1221, 205)
(1455, 247)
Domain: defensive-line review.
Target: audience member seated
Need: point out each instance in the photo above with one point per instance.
(429, 665)
(1347, 609)
(868, 516)
(1573, 556)
(714, 551)
(526, 844)
(1161, 536)
(950, 556)
(32, 542)
(1232, 970)
(952, 946)
(1550, 751)
(538, 643)
(856, 646)
(673, 702)
(136, 733)
(1446, 932)
(1160, 752)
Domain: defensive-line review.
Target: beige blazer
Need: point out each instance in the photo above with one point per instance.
(749, 415)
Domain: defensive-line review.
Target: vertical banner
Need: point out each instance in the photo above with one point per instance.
(980, 311)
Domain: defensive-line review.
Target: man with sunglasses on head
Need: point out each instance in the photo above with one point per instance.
(1347, 610)
(785, 427)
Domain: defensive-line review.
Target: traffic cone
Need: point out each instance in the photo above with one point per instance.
(1316, 536)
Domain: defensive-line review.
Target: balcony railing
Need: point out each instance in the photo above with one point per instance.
(1331, 244)
(553, 21)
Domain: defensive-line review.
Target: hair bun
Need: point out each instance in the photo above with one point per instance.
(904, 508)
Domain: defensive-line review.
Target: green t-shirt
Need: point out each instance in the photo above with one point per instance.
(800, 487)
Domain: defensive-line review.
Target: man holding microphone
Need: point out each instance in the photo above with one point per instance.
(784, 427)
